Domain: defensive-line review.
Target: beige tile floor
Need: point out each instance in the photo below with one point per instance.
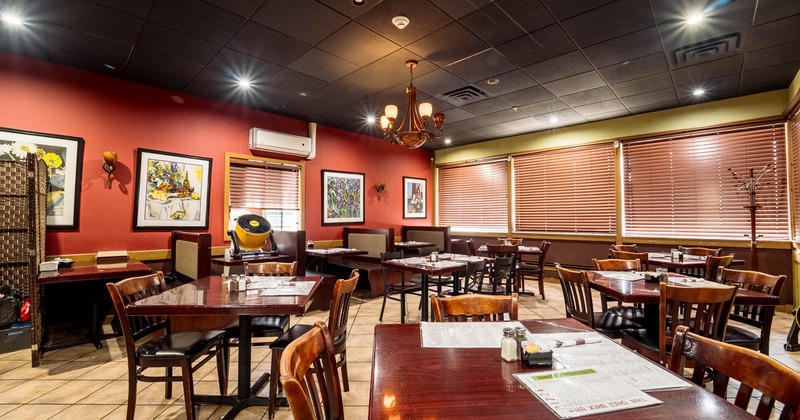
(84, 383)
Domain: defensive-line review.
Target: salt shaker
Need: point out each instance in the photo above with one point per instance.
(520, 335)
(434, 256)
(508, 345)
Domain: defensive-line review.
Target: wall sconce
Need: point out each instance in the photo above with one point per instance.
(381, 187)
(110, 164)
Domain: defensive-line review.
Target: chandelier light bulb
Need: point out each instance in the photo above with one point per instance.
(384, 122)
(390, 111)
(425, 109)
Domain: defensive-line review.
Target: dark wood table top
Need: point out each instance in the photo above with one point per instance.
(411, 382)
(640, 291)
(228, 261)
(403, 246)
(210, 296)
(690, 262)
(521, 249)
(334, 252)
(88, 270)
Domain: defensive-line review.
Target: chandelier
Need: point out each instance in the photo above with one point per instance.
(412, 132)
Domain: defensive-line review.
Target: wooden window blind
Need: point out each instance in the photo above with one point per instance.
(794, 132)
(566, 190)
(263, 185)
(681, 186)
(474, 196)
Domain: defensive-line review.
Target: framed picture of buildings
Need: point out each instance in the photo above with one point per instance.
(342, 197)
(172, 191)
(415, 198)
(63, 156)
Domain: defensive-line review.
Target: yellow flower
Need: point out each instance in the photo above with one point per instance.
(52, 160)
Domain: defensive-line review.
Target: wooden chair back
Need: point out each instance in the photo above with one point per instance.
(643, 258)
(340, 309)
(271, 268)
(427, 250)
(475, 273)
(473, 250)
(191, 255)
(129, 291)
(613, 264)
(702, 252)
(704, 310)
(577, 295)
(625, 247)
(501, 250)
(474, 308)
(310, 378)
(713, 263)
(463, 247)
(754, 371)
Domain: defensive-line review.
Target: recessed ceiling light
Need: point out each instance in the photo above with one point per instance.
(359, 3)
(447, 141)
(699, 92)
(109, 66)
(11, 18)
(244, 83)
(492, 81)
(695, 18)
(554, 119)
(371, 119)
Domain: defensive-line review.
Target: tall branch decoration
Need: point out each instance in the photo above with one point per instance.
(751, 184)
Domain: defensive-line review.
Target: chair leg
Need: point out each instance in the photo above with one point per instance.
(541, 284)
(132, 381)
(222, 367)
(402, 307)
(273, 382)
(345, 380)
(188, 388)
(383, 306)
(168, 384)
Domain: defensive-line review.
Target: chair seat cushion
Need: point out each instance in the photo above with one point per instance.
(295, 332)
(741, 337)
(267, 324)
(179, 345)
(637, 339)
(629, 312)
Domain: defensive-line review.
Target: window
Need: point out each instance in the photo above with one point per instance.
(682, 186)
(269, 188)
(566, 190)
(474, 196)
(794, 130)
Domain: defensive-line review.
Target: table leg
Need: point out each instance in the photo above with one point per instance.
(456, 284)
(651, 319)
(425, 298)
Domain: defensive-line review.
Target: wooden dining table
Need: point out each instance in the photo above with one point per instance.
(413, 382)
(209, 296)
(688, 263)
(318, 257)
(425, 269)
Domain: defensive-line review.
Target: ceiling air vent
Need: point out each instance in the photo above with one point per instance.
(710, 49)
(463, 95)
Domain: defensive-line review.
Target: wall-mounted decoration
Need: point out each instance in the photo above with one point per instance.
(63, 156)
(342, 197)
(415, 193)
(172, 191)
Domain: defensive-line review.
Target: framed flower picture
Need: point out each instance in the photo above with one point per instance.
(342, 197)
(415, 198)
(63, 156)
(172, 191)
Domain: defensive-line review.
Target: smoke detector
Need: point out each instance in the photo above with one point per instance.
(400, 21)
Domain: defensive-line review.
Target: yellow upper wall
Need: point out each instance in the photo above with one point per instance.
(729, 111)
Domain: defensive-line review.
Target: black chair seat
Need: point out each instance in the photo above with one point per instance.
(293, 334)
(179, 345)
(611, 324)
(637, 339)
(739, 336)
(259, 325)
(407, 285)
(630, 312)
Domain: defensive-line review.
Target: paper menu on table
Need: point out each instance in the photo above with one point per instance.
(464, 334)
(294, 288)
(622, 275)
(583, 391)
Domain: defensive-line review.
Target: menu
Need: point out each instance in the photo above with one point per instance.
(464, 334)
(293, 288)
(622, 275)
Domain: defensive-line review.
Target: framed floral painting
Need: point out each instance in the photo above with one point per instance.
(415, 195)
(64, 158)
(172, 191)
(342, 197)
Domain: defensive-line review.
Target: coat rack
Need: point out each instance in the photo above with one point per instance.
(751, 184)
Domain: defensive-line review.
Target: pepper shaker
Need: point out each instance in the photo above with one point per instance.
(520, 335)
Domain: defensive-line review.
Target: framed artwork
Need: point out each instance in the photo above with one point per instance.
(415, 196)
(172, 191)
(342, 197)
(63, 156)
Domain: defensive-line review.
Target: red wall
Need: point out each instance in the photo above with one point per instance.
(112, 114)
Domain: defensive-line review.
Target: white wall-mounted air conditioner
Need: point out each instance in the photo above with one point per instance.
(285, 144)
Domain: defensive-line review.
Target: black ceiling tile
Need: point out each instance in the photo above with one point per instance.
(93, 19)
(544, 107)
(457, 9)
(70, 59)
(454, 115)
(199, 19)
(524, 125)
(160, 80)
(485, 26)
(769, 10)
(138, 8)
(565, 117)
(528, 96)
(566, 9)
(654, 107)
(267, 44)
(310, 105)
(305, 20)
(774, 33)
(649, 98)
(685, 96)
(366, 81)
(560, 67)
(463, 125)
(170, 42)
(28, 43)
(98, 48)
(634, 69)
(608, 115)
(708, 70)
(493, 130)
(392, 67)
(506, 83)
(776, 77)
(485, 106)
(612, 105)
(242, 66)
(503, 116)
(439, 105)
(715, 88)
(319, 64)
(448, 45)
(618, 18)
(538, 46)
(481, 66)
(164, 65)
(357, 44)
(337, 95)
(589, 96)
(438, 82)
(425, 18)
(624, 48)
(502, 21)
(244, 8)
(292, 81)
(211, 77)
(643, 85)
(574, 84)
(766, 57)
(275, 96)
(348, 9)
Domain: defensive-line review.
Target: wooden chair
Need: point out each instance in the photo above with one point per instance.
(191, 255)
(309, 376)
(475, 308)
(713, 263)
(532, 268)
(337, 325)
(463, 247)
(504, 266)
(394, 287)
(625, 247)
(643, 258)
(753, 315)
(435, 283)
(630, 312)
(186, 350)
(475, 278)
(578, 304)
(704, 310)
(754, 371)
(266, 325)
(701, 252)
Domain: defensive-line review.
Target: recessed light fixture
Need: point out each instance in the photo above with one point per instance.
(515, 108)
(244, 83)
(400, 21)
(447, 141)
(11, 18)
(371, 119)
(699, 92)
(359, 3)
(109, 66)
(492, 81)
(554, 119)
(695, 18)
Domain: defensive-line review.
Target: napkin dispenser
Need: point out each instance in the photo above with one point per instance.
(651, 276)
(536, 355)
